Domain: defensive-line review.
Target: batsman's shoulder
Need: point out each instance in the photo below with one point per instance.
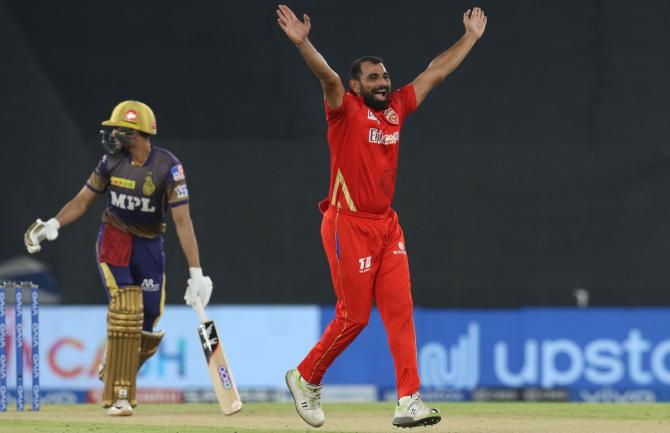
(166, 157)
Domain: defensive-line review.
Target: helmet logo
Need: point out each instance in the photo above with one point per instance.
(131, 115)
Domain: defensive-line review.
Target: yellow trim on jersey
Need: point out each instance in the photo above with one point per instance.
(339, 180)
(123, 183)
(110, 281)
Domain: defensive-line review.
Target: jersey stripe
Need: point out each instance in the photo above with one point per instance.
(339, 180)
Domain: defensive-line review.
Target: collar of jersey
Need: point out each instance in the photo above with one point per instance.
(146, 162)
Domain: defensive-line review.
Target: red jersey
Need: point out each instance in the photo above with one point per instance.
(364, 151)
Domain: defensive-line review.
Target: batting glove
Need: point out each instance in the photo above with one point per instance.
(39, 231)
(198, 286)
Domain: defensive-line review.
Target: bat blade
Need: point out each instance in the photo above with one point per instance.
(219, 369)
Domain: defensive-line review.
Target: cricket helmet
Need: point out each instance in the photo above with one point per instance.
(134, 115)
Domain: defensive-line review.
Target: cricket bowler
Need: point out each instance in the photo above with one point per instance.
(142, 182)
(361, 235)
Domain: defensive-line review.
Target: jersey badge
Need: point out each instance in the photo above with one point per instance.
(391, 116)
(177, 172)
(182, 191)
(371, 116)
(149, 187)
(122, 183)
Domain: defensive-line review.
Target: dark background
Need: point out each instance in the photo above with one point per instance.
(539, 166)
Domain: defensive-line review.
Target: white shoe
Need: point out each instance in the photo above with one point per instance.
(120, 408)
(307, 398)
(412, 412)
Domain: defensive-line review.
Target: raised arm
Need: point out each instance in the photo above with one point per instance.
(297, 31)
(475, 23)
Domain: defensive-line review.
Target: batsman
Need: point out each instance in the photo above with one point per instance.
(142, 182)
(362, 237)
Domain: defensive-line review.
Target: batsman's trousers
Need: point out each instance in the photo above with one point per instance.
(368, 262)
(127, 260)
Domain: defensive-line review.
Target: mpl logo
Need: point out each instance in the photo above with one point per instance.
(129, 202)
(455, 367)
(225, 377)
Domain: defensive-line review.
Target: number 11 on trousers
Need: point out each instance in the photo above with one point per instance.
(366, 264)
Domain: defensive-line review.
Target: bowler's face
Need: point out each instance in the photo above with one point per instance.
(374, 85)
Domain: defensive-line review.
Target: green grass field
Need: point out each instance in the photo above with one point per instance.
(363, 418)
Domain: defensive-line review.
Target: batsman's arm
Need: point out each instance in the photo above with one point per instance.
(181, 216)
(297, 31)
(41, 230)
(198, 286)
(475, 23)
(76, 207)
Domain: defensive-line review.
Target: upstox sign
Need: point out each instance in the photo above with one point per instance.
(622, 349)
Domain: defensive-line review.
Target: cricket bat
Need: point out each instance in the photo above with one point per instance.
(217, 364)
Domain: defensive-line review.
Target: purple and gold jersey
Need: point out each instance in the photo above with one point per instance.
(139, 196)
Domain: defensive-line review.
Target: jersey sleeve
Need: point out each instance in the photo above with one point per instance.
(176, 190)
(334, 116)
(406, 98)
(98, 181)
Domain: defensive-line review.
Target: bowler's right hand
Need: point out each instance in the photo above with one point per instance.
(295, 29)
(39, 231)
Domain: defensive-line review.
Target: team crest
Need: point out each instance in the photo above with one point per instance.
(149, 187)
(391, 116)
(131, 115)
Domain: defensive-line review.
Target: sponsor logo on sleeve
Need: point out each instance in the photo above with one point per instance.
(177, 172)
(182, 191)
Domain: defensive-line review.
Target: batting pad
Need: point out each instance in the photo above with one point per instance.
(124, 330)
(149, 345)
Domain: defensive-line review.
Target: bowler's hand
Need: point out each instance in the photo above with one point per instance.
(198, 286)
(474, 21)
(295, 29)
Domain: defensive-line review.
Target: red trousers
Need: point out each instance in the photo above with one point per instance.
(368, 262)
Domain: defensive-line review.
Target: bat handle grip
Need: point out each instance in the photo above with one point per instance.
(200, 310)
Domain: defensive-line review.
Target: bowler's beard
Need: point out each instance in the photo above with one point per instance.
(374, 103)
